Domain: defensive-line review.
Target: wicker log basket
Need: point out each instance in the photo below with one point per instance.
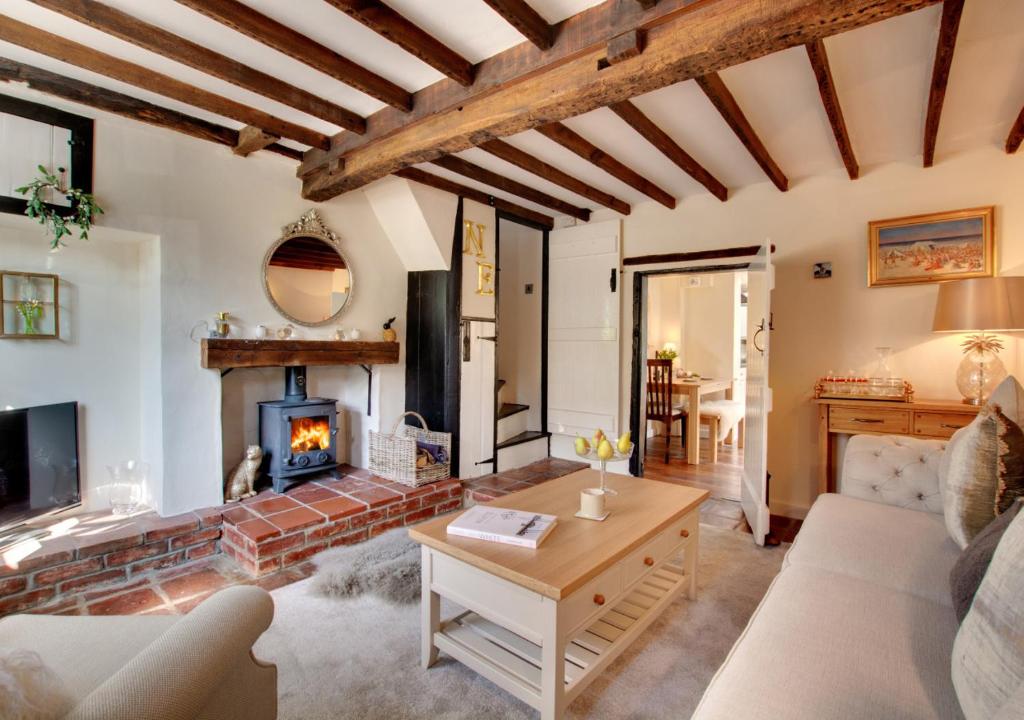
(393, 456)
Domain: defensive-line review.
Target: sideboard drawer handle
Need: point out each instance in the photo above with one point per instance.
(950, 426)
(684, 532)
(599, 599)
(869, 421)
(648, 561)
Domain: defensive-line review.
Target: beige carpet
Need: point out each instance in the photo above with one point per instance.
(359, 658)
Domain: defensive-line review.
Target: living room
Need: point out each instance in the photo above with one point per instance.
(331, 217)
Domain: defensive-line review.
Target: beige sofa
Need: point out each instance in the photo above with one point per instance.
(859, 623)
(154, 667)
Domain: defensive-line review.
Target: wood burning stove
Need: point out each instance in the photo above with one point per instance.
(299, 435)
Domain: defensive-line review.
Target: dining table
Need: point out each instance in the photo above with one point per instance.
(693, 389)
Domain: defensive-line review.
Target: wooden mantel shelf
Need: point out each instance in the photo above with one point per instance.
(224, 354)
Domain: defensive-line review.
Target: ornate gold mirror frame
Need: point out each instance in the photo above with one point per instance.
(310, 225)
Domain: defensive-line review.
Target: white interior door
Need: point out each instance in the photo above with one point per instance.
(583, 332)
(476, 409)
(760, 280)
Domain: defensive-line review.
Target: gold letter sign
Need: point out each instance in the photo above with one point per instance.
(484, 278)
(473, 238)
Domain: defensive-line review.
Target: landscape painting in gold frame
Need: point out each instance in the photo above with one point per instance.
(931, 248)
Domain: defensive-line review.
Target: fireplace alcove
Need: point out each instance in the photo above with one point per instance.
(298, 434)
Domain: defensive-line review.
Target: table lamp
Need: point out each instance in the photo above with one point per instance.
(980, 306)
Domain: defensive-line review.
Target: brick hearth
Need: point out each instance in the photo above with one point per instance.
(115, 565)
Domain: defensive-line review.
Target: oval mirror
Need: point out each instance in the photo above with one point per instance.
(305, 275)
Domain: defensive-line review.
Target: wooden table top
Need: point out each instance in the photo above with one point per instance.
(576, 550)
(706, 385)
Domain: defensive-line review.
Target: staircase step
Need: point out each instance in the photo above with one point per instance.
(509, 409)
(523, 437)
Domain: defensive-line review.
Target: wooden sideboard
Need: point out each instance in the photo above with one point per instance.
(937, 419)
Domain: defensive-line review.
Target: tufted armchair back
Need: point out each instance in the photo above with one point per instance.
(894, 470)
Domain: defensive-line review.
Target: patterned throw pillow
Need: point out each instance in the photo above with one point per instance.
(970, 487)
(988, 653)
(1010, 468)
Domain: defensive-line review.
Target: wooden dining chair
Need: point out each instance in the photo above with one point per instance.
(659, 399)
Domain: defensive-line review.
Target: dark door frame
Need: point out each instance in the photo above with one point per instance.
(500, 215)
(640, 277)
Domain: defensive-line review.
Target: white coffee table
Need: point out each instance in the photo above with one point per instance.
(543, 623)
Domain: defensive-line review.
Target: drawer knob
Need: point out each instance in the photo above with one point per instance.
(684, 532)
(648, 561)
(599, 599)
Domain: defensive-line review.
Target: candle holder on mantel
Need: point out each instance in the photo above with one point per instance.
(616, 457)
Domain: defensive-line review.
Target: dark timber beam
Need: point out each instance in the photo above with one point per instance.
(668, 147)
(525, 87)
(726, 104)
(529, 163)
(251, 139)
(114, 102)
(1016, 135)
(389, 24)
(130, 29)
(421, 176)
(495, 180)
(282, 38)
(571, 140)
(830, 99)
(84, 57)
(647, 4)
(951, 11)
(526, 20)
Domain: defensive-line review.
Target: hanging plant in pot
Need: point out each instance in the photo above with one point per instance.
(80, 214)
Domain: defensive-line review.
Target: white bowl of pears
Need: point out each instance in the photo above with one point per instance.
(601, 447)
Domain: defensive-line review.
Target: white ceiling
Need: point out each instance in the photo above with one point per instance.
(882, 73)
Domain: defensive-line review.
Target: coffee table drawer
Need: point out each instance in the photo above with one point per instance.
(880, 420)
(642, 560)
(596, 596)
(681, 531)
(939, 425)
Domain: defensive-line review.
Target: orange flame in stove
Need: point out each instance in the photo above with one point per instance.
(310, 434)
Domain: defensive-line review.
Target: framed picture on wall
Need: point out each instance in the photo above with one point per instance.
(939, 246)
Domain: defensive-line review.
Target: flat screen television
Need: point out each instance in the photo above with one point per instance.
(38, 461)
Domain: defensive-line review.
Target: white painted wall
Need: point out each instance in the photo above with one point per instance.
(417, 220)
(215, 215)
(836, 323)
(709, 327)
(519, 317)
(99, 358)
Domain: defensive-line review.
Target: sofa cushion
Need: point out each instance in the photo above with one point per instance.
(1009, 395)
(900, 549)
(1010, 463)
(965, 577)
(825, 645)
(894, 470)
(83, 651)
(970, 493)
(988, 657)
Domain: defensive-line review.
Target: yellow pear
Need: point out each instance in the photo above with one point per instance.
(598, 437)
(604, 450)
(624, 441)
(582, 446)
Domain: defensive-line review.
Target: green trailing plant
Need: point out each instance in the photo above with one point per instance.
(83, 206)
(666, 354)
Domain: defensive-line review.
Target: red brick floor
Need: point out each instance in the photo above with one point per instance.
(489, 487)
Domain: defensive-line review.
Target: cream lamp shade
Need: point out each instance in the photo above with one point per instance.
(990, 304)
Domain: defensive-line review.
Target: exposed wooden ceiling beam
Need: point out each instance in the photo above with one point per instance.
(951, 11)
(571, 140)
(495, 180)
(130, 29)
(251, 139)
(668, 147)
(125, 106)
(830, 99)
(73, 53)
(386, 22)
(421, 176)
(1013, 140)
(282, 38)
(518, 91)
(647, 4)
(588, 31)
(526, 20)
(529, 163)
(726, 104)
